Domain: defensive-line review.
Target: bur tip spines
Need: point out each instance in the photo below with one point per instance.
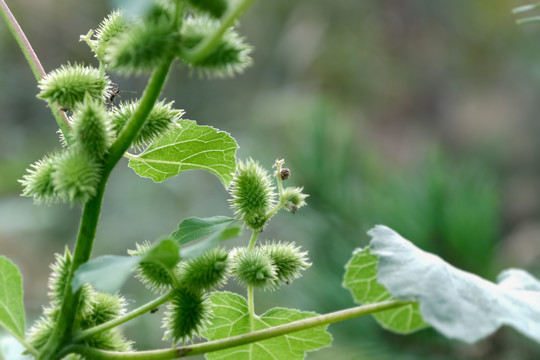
(252, 194)
(231, 56)
(187, 315)
(37, 183)
(69, 84)
(207, 271)
(288, 259)
(76, 176)
(91, 128)
(162, 117)
(154, 276)
(254, 268)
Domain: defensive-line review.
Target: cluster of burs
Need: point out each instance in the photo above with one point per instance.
(74, 174)
(83, 95)
(188, 284)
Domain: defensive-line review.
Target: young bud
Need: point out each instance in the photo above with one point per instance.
(253, 194)
(59, 276)
(215, 8)
(188, 313)
(161, 118)
(288, 260)
(155, 277)
(38, 182)
(254, 268)
(76, 176)
(294, 198)
(229, 57)
(69, 84)
(205, 272)
(91, 128)
(105, 307)
(111, 27)
(42, 328)
(142, 47)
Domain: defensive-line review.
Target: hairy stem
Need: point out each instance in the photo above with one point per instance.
(206, 46)
(33, 61)
(87, 230)
(132, 127)
(23, 42)
(250, 295)
(244, 339)
(81, 254)
(122, 319)
(251, 308)
(253, 239)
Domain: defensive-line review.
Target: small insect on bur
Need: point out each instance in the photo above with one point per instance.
(115, 92)
(285, 173)
(154, 310)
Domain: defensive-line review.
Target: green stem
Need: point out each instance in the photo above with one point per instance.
(132, 127)
(281, 203)
(23, 42)
(206, 46)
(83, 248)
(33, 61)
(253, 239)
(279, 164)
(87, 230)
(244, 339)
(122, 319)
(251, 297)
(251, 308)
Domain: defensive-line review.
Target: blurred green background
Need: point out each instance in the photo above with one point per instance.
(420, 115)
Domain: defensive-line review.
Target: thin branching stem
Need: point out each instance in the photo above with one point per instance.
(206, 46)
(244, 339)
(123, 319)
(23, 42)
(34, 63)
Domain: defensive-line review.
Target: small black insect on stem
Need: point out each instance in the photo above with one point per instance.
(154, 310)
(115, 92)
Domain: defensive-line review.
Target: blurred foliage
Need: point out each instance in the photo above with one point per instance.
(420, 115)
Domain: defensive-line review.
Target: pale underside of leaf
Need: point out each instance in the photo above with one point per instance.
(188, 146)
(109, 272)
(12, 315)
(458, 304)
(231, 318)
(361, 280)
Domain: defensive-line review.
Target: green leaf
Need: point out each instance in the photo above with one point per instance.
(12, 315)
(217, 229)
(165, 253)
(108, 273)
(456, 303)
(231, 318)
(195, 228)
(361, 280)
(188, 146)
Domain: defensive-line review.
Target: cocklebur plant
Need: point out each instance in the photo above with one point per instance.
(404, 287)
